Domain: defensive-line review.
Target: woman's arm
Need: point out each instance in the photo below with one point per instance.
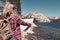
(20, 21)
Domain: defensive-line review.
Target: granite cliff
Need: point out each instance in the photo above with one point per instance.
(37, 17)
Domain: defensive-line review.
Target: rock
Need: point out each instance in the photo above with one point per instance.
(5, 30)
(25, 35)
(37, 16)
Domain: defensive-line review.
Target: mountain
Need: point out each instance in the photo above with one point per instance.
(54, 19)
(37, 17)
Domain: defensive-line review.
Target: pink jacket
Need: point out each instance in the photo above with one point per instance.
(15, 23)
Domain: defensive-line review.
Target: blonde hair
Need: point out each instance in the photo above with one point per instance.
(8, 9)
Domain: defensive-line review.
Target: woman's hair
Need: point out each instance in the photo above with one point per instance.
(8, 10)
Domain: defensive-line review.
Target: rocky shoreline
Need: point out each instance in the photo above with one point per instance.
(40, 33)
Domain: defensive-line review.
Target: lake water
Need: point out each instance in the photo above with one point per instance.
(48, 30)
(51, 24)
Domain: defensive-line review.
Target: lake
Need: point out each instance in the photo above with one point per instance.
(48, 30)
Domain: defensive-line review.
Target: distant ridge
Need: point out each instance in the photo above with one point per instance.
(37, 16)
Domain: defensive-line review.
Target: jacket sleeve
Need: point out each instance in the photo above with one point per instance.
(20, 21)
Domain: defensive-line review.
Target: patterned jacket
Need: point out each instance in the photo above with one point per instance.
(15, 23)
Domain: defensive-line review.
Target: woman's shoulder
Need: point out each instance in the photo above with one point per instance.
(15, 17)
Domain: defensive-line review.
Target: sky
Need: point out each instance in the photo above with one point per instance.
(1, 4)
(49, 8)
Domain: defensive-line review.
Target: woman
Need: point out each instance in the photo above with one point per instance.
(10, 14)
